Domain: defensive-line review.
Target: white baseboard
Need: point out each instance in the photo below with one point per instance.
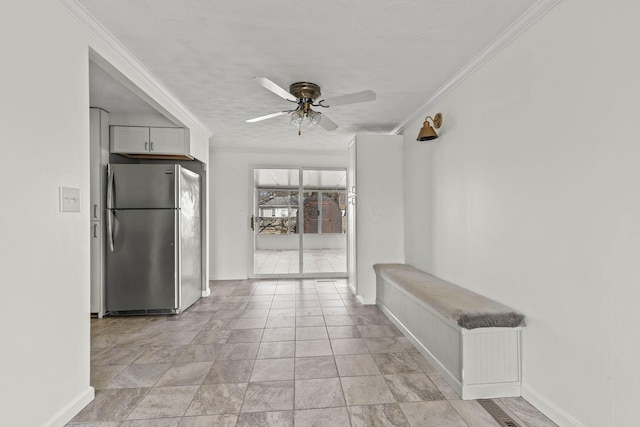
(544, 405)
(206, 293)
(60, 418)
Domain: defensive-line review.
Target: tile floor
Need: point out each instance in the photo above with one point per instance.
(272, 353)
(288, 261)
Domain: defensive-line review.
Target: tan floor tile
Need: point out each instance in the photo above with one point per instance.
(432, 414)
(226, 420)
(367, 390)
(102, 375)
(281, 322)
(217, 399)
(311, 333)
(396, 363)
(238, 351)
(338, 332)
(111, 405)
(139, 376)
(244, 335)
(185, 374)
(313, 348)
(272, 370)
(412, 387)
(164, 402)
(276, 349)
(154, 422)
(349, 346)
(308, 321)
(388, 414)
(318, 393)
(268, 397)
(334, 417)
(271, 419)
(253, 323)
(338, 321)
(473, 414)
(279, 334)
(356, 365)
(229, 371)
(198, 353)
(315, 367)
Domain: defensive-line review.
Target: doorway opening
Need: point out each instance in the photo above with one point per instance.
(299, 222)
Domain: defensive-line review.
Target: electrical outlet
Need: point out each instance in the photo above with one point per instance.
(69, 199)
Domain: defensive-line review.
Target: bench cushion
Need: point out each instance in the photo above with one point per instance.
(466, 308)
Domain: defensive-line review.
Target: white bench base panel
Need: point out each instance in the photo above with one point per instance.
(479, 363)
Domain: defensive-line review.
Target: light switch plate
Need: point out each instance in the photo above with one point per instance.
(69, 199)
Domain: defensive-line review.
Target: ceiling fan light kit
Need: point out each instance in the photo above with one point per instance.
(427, 133)
(305, 94)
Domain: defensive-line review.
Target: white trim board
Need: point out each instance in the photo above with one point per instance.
(535, 12)
(65, 414)
(103, 35)
(555, 414)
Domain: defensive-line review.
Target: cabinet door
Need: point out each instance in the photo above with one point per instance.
(98, 158)
(167, 141)
(94, 166)
(97, 268)
(129, 139)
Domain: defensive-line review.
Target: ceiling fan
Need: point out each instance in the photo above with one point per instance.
(304, 94)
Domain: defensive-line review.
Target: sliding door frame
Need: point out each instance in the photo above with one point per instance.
(253, 231)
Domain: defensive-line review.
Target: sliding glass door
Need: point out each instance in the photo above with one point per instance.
(299, 222)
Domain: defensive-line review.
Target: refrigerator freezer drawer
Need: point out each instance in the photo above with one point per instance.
(142, 270)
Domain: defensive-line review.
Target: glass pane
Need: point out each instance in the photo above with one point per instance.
(276, 244)
(324, 221)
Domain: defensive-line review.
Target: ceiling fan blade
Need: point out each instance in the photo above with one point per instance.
(327, 123)
(350, 98)
(268, 116)
(269, 85)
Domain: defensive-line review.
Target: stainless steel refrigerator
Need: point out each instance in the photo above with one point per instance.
(153, 239)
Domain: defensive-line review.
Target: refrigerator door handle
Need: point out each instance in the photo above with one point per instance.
(110, 188)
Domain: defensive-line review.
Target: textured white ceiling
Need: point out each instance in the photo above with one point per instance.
(206, 53)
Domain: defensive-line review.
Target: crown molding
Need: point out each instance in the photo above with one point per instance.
(97, 30)
(535, 12)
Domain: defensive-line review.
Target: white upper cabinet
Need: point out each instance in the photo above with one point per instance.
(148, 140)
(167, 141)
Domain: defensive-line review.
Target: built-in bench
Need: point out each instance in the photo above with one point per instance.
(473, 341)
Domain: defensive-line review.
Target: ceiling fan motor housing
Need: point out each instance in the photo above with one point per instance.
(302, 90)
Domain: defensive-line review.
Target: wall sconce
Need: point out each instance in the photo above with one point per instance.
(427, 133)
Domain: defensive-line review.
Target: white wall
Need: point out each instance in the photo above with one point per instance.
(44, 322)
(44, 255)
(379, 208)
(532, 196)
(230, 202)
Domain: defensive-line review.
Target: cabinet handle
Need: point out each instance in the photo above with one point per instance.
(95, 211)
(95, 230)
(146, 146)
(151, 146)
